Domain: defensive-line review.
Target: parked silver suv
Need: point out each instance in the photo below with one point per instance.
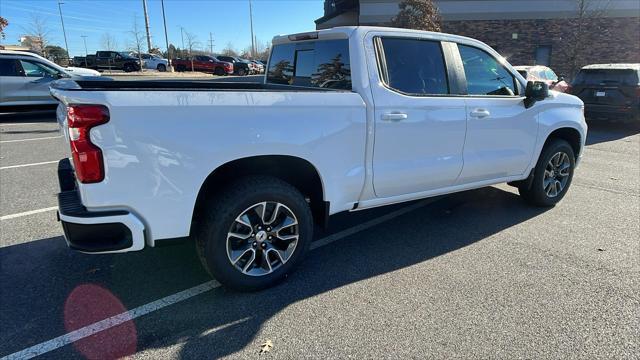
(25, 78)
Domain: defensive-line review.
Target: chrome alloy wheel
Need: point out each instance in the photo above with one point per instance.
(556, 174)
(262, 238)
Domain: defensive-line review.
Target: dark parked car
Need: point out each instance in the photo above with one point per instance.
(112, 60)
(239, 67)
(609, 91)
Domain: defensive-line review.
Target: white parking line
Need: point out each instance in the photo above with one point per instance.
(32, 164)
(13, 216)
(116, 320)
(31, 139)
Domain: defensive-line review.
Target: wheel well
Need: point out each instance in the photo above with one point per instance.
(570, 135)
(296, 171)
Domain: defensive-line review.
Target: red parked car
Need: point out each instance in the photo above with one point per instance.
(203, 63)
(543, 73)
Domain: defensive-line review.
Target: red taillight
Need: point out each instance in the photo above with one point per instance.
(87, 158)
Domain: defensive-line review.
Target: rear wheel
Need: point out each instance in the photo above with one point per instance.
(129, 68)
(252, 234)
(242, 72)
(552, 175)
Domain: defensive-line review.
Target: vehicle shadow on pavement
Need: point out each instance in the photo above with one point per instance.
(43, 116)
(40, 275)
(601, 131)
(440, 228)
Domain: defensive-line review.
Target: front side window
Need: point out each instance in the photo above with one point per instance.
(485, 75)
(323, 64)
(9, 67)
(415, 66)
(34, 69)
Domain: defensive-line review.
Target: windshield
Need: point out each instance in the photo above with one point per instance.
(125, 55)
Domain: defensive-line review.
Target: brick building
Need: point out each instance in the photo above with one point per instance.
(526, 32)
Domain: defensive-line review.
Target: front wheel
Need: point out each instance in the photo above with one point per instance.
(252, 234)
(552, 175)
(162, 68)
(219, 71)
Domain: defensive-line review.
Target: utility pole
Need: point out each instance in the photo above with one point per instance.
(211, 42)
(86, 53)
(64, 32)
(146, 23)
(253, 44)
(166, 37)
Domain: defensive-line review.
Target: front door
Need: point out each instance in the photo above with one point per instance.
(38, 78)
(419, 127)
(501, 132)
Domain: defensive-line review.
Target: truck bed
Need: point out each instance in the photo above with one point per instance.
(173, 85)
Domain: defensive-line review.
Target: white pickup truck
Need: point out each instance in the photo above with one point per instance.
(347, 119)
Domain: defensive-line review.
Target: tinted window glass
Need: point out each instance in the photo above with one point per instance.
(485, 75)
(607, 76)
(322, 64)
(34, 69)
(8, 67)
(415, 66)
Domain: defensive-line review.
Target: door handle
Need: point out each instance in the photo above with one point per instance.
(394, 116)
(480, 113)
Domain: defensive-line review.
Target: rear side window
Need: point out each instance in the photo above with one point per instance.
(415, 66)
(323, 64)
(485, 75)
(9, 67)
(607, 76)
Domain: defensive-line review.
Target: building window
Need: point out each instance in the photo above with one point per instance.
(543, 55)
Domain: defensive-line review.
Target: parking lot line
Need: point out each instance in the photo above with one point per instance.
(116, 320)
(32, 164)
(32, 139)
(13, 216)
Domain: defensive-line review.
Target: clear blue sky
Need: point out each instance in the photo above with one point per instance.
(227, 20)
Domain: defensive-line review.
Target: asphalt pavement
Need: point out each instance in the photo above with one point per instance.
(478, 274)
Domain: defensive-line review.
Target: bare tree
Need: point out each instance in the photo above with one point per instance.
(585, 25)
(108, 42)
(229, 50)
(38, 33)
(192, 42)
(418, 15)
(137, 40)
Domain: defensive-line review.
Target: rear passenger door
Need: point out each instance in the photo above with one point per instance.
(501, 132)
(419, 126)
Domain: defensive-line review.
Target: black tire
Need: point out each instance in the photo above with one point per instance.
(219, 71)
(161, 68)
(181, 68)
(536, 194)
(242, 72)
(129, 68)
(217, 218)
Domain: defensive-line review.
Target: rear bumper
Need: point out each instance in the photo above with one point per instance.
(97, 232)
(611, 112)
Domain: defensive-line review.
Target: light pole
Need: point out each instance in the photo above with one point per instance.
(64, 32)
(166, 37)
(253, 45)
(86, 53)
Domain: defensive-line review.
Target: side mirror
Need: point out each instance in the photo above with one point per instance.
(535, 91)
